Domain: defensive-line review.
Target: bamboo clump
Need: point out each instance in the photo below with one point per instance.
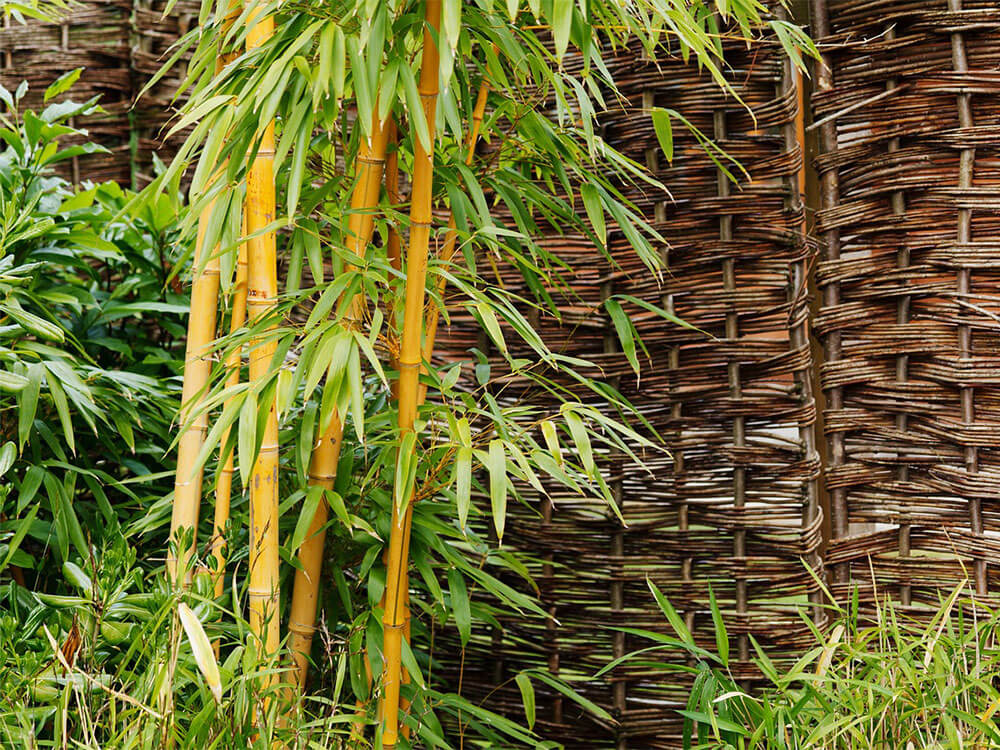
(410, 361)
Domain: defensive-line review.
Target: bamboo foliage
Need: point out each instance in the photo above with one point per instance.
(410, 361)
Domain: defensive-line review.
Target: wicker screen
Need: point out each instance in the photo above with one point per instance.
(156, 36)
(910, 280)
(734, 506)
(95, 36)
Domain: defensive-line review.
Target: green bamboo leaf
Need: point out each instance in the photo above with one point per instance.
(310, 504)
(62, 83)
(492, 325)
(562, 22)
(463, 484)
(552, 441)
(7, 455)
(414, 106)
(497, 466)
(625, 331)
(527, 697)
(460, 604)
(246, 452)
(357, 394)
(664, 132)
(201, 647)
(406, 470)
(595, 212)
(721, 636)
(676, 622)
(582, 439)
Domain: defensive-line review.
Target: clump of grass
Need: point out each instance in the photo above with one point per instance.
(892, 678)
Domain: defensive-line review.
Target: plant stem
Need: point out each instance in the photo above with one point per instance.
(224, 481)
(326, 453)
(410, 360)
(262, 290)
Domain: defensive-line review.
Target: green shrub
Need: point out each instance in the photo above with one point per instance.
(893, 678)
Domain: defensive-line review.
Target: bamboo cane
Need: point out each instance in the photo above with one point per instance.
(224, 481)
(197, 370)
(326, 454)
(262, 290)
(451, 237)
(409, 374)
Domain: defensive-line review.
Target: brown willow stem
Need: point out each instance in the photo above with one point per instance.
(421, 204)
(326, 453)
(224, 481)
(262, 290)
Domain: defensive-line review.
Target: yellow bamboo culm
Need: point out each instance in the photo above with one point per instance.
(197, 370)
(262, 290)
(451, 236)
(326, 453)
(394, 617)
(224, 480)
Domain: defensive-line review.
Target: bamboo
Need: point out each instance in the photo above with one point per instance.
(451, 237)
(224, 481)
(326, 453)
(197, 371)
(262, 289)
(409, 374)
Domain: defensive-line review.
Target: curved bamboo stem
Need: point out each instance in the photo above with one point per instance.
(393, 619)
(326, 453)
(224, 480)
(262, 290)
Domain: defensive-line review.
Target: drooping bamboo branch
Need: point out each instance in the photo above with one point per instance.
(262, 290)
(326, 453)
(197, 370)
(224, 480)
(410, 360)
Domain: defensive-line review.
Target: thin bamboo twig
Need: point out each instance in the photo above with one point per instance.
(409, 375)
(326, 453)
(262, 290)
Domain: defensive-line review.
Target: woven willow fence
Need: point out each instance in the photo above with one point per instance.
(911, 292)
(734, 507)
(120, 44)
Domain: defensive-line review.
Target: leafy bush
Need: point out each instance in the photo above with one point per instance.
(890, 679)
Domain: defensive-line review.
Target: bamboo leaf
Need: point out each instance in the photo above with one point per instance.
(595, 212)
(721, 636)
(625, 331)
(406, 470)
(527, 697)
(562, 22)
(492, 325)
(498, 485)
(671, 614)
(201, 647)
(310, 504)
(463, 484)
(247, 437)
(460, 604)
(664, 132)
(7, 455)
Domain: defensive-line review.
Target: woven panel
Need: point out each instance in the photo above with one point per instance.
(734, 506)
(95, 36)
(157, 35)
(910, 281)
